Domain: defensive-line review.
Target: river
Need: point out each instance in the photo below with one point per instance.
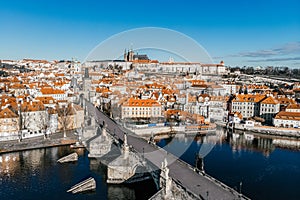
(35, 174)
(257, 167)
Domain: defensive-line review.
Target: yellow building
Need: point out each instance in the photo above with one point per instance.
(141, 108)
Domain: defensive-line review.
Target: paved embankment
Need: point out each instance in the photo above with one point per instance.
(266, 130)
(56, 139)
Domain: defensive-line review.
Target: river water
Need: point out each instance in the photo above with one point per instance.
(35, 174)
(257, 167)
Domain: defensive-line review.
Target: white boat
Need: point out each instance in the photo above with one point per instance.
(25, 133)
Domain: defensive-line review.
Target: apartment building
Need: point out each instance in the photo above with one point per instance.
(9, 125)
(247, 104)
(269, 107)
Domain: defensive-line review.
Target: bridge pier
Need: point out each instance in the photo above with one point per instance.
(124, 168)
(89, 129)
(100, 145)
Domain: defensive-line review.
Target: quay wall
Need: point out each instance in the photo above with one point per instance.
(265, 130)
(157, 130)
(36, 143)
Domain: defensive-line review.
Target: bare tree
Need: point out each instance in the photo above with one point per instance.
(65, 117)
(43, 125)
(24, 116)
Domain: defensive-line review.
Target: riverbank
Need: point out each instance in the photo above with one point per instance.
(265, 130)
(56, 139)
(158, 131)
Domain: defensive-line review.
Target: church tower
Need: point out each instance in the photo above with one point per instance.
(87, 82)
(130, 55)
(125, 56)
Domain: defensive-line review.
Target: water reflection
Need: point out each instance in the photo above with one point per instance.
(35, 174)
(116, 192)
(263, 165)
(249, 142)
(8, 164)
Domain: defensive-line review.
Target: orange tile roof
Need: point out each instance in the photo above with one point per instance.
(15, 80)
(141, 61)
(60, 83)
(191, 98)
(297, 90)
(293, 106)
(7, 113)
(32, 106)
(218, 98)
(59, 74)
(154, 95)
(23, 96)
(167, 91)
(197, 83)
(49, 90)
(249, 98)
(170, 112)
(288, 115)
(96, 81)
(46, 100)
(8, 100)
(269, 100)
(17, 86)
(285, 100)
(4, 80)
(253, 86)
(155, 86)
(52, 111)
(103, 90)
(141, 102)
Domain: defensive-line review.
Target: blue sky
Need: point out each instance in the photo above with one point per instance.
(241, 32)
